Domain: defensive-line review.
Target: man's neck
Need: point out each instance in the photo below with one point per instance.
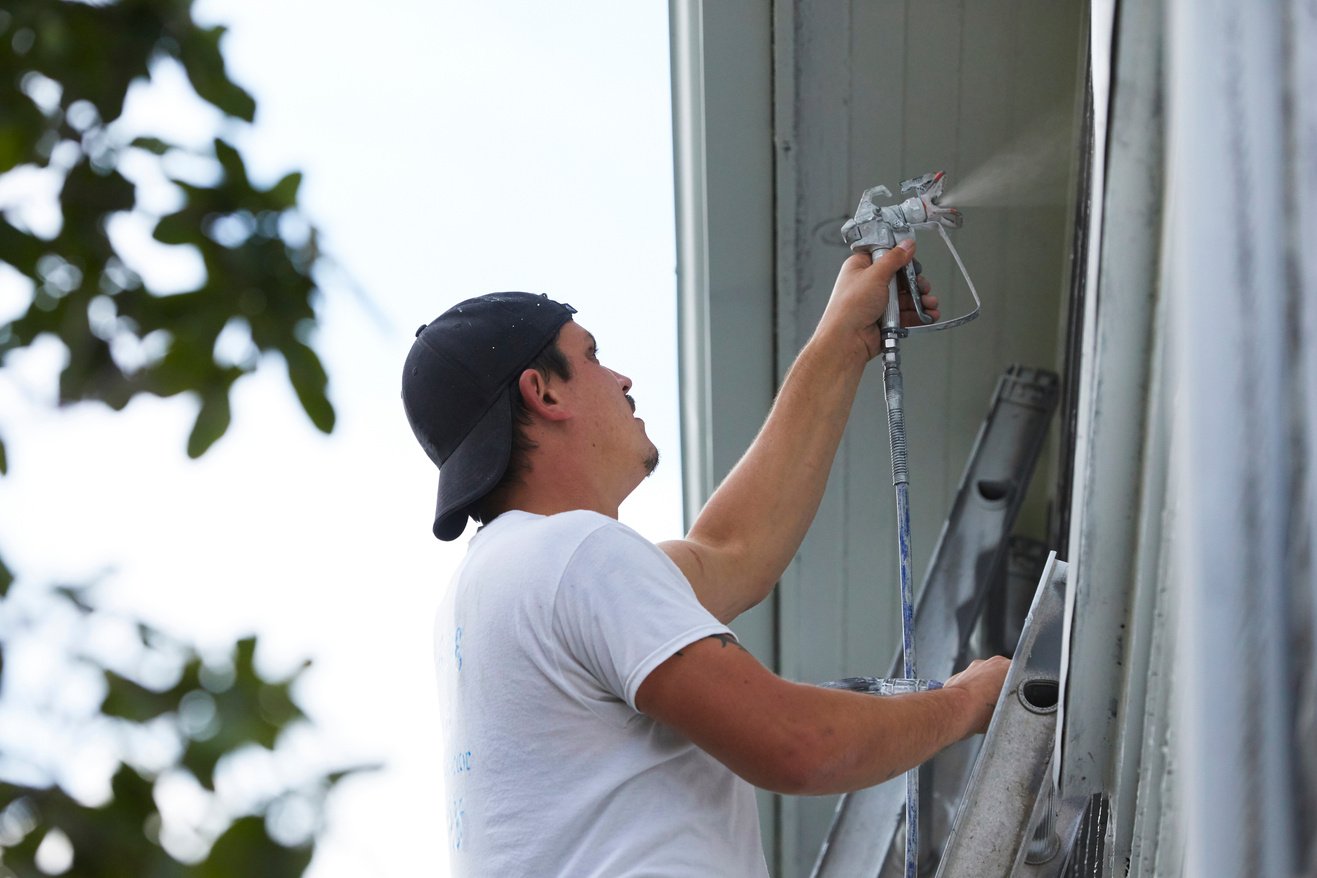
(541, 501)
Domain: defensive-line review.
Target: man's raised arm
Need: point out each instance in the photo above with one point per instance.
(755, 521)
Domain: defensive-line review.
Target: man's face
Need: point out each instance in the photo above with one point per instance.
(601, 398)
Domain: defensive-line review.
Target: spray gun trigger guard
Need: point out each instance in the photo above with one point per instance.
(974, 293)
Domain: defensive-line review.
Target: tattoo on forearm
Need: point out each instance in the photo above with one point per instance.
(725, 639)
(728, 640)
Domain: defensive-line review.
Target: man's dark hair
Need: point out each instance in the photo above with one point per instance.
(550, 362)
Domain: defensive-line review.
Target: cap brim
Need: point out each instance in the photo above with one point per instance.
(474, 468)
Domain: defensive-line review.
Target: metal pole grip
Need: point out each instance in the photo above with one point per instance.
(892, 316)
(896, 417)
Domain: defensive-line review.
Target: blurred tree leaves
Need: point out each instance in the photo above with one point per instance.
(65, 72)
(171, 718)
(162, 717)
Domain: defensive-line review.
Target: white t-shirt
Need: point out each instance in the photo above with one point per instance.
(548, 629)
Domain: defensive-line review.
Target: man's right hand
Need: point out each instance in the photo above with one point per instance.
(983, 680)
(859, 299)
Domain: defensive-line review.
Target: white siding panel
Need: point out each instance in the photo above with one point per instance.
(872, 93)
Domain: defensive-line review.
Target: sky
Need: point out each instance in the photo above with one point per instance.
(449, 149)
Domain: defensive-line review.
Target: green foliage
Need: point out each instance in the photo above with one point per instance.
(65, 71)
(66, 68)
(157, 695)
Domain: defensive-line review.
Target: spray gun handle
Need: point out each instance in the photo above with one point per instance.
(891, 321)
(892, 317)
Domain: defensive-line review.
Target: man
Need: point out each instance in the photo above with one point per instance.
(601, 719)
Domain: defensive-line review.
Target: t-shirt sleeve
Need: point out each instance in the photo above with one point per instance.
(623, 608)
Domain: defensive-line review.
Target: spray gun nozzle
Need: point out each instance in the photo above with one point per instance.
(925, 184)
(948, 216)
(878, 225)
(927, 191)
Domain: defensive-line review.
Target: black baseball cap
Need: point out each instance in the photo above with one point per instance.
(456, 387)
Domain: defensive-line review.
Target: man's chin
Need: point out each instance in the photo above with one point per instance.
(651, 463)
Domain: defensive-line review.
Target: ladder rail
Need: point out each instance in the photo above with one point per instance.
(991, 833)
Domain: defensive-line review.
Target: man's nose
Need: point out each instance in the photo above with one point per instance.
(622, 379)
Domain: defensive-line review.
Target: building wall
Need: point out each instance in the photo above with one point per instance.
(1188, 702)
(869, 93)
(828, 100)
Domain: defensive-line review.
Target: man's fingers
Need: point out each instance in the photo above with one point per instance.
(908, 314)
(856, 262)
(890, 262)
(929, 303)
(895, 259)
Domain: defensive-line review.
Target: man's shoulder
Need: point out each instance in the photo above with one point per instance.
(521, 556)
(518, 524)
(559, 535)
(573, 539)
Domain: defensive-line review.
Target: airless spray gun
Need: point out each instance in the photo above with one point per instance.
(875, 229)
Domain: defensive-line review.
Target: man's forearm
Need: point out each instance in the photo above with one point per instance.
(825, 741)
(865, 739)
(806, 740)
(754, 523)
(759, 515)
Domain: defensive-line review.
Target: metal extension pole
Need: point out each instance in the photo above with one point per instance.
(877, 229)
(895, 395)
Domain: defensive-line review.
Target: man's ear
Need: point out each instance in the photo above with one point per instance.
(539, 396)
